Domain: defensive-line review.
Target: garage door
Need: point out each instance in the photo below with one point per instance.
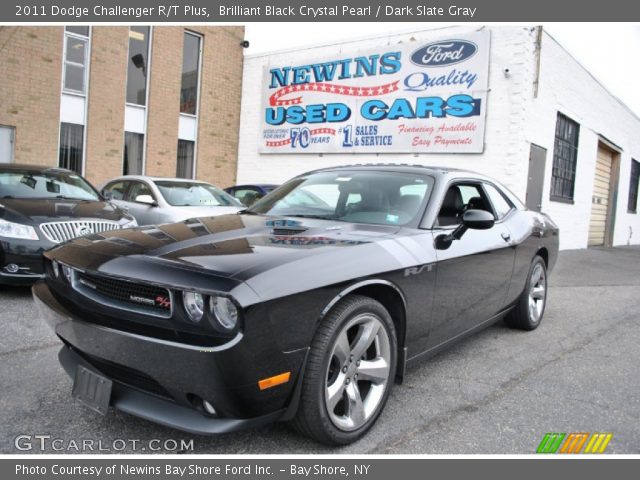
(601, 197)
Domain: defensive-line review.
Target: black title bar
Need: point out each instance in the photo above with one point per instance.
(141, 11)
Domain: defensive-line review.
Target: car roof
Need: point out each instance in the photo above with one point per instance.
(433, 170)
(259, 185)
(155, 179)
(12, 167)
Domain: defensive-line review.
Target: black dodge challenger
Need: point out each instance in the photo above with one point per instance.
(305, 307)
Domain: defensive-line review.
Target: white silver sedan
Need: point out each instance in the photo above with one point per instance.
(156, 200)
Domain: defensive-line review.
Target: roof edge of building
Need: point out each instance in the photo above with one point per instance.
(588, 72)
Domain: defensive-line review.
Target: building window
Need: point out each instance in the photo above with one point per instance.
(186, 149)
(137, 69)
(633, 187)
(82, 30)
(76, 50)
(565, 154)
(71, 146)
(190, 71)
(133, 153)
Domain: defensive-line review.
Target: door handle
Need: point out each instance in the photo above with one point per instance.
(505, 236)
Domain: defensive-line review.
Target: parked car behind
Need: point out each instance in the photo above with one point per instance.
(297, 309)
(156, 200)
(41, 207)
(250, 194)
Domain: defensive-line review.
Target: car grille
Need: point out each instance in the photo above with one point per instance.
(58, 232)
(125, 295)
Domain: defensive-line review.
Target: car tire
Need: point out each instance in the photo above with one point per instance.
(529, 309)
(341, 397)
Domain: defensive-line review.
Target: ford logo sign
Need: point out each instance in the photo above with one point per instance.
(440, 54)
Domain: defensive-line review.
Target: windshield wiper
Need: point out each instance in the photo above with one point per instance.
(65, 197)
(8, 196)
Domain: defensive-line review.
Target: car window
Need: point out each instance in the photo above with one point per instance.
(45, 184)
(248, 196)
(117, 189)
(195, 194)
(315, 196)
(383, 198)
(500, 204)
(460, 198)
(353, 198)
(140, 192)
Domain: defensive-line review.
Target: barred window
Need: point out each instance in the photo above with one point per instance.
(565, 154)
(132, 161)
(186, 153)
(633, 187)
(71, 147)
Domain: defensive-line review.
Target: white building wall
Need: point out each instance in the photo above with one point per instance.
(567, 87)
(508, 100)
(514, 120)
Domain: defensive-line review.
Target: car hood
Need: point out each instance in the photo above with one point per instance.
(36, 211)
(261, 251)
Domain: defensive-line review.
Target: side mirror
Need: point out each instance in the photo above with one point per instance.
(471, 219)
(108, 195)
(146, 199)
(478, 219)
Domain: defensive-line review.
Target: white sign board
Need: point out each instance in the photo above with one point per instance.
(416, 97)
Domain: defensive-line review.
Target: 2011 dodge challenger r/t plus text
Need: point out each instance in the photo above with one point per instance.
(306, 307)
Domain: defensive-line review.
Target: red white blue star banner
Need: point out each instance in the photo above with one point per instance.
(416, 97)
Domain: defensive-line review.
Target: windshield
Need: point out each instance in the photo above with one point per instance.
(185, 194)
(45, 184)
(383, 198)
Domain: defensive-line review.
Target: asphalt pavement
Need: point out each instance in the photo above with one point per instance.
(497, 392)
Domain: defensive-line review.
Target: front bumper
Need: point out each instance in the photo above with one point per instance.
(27, 255)
(158, 379)
(158, 410)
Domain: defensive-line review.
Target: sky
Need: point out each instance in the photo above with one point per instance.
(610, 51)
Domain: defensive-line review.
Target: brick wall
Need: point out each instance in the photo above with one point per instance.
(219, 104)
(31, 60)
(219, 116)
(107, 90)
(164, 101)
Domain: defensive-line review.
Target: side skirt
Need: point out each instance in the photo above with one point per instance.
(454, 340)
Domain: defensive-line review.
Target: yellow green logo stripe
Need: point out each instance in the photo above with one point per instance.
(574, 442)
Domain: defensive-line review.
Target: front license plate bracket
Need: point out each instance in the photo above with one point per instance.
(92, 390)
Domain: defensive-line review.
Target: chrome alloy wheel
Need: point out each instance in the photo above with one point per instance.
(537, 293)
(358, 372)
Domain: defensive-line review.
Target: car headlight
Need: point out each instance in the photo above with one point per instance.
(225, 312)
(17, 230)
(55, 266)
(194, 305)
(67, 272)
